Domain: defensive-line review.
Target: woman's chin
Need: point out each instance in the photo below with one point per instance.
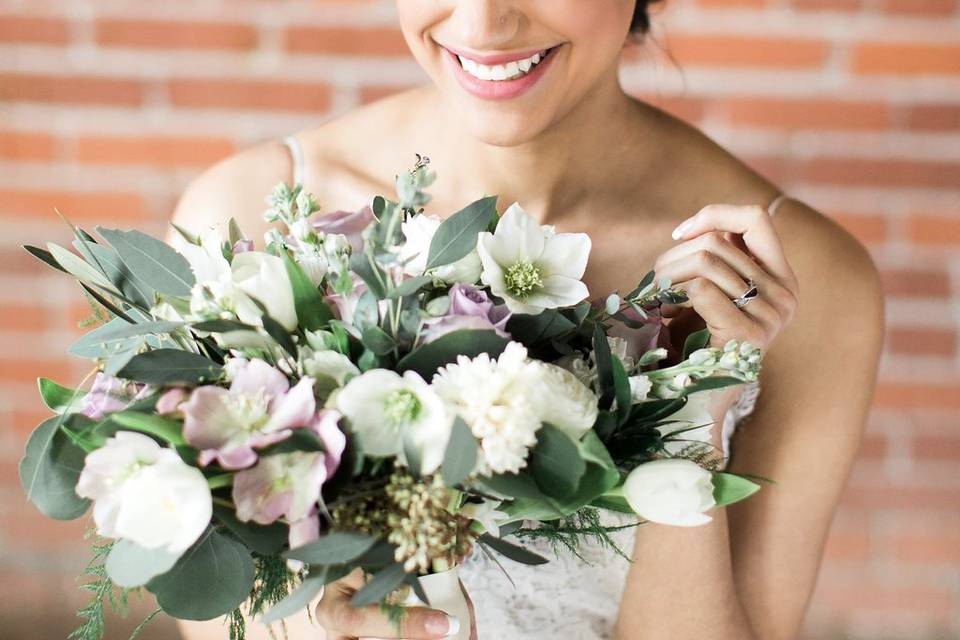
(504, 128)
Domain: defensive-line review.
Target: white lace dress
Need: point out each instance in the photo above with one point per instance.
(568, 598)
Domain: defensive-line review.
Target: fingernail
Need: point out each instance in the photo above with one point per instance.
(442, 623)
(682, 228)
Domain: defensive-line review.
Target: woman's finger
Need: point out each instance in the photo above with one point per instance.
(417, 623)
(752, 223)
(722, 316)
(706, 264)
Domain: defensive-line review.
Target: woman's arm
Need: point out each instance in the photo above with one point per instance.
(749, 573)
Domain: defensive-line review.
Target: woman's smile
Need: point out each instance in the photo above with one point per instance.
(500, 76)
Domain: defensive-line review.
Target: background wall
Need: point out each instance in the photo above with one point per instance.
(109, 107)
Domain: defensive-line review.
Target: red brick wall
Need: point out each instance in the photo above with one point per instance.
(109, 108)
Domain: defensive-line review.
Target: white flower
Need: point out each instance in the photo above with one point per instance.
(564, 401)
(331, 369)
(496, 400)
(206, 259)
(671, 491)
(145, 493)
(419, 231)
(264, 277)
(486, 513)
(639, 388)
(693, 419)
(530, 266)
(386, 409)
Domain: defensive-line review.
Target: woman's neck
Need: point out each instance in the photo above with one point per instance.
(554, 171)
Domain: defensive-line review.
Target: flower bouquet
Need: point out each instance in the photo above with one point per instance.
(376, 391)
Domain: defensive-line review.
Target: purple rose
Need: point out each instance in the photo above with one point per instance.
(653, 333)
(109, 394)
(242, 246)
(348, 223)
(470, 308)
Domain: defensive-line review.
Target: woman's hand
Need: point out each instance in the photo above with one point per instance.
(724, 247)
(343, 621)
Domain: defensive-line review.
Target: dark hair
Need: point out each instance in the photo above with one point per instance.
(640, 23)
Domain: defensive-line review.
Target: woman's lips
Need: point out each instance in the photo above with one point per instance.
(500, 89)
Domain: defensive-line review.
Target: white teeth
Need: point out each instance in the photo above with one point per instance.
(508, 71)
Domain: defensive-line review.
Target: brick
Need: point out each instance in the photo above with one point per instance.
(79, 207)
(923, 341)
(868, 229)
(936, 447)
(916, 283)
(76, 90)
(689, 108)
(33, 30)
(795, 114)
(733, 4)
(250, 94)
(829, 5)
(25, 316)
(26, 145)
(886, 172)
(175, 34)
(933, 117)
(926, 8)
(372, 93)
(915, 395)
(153, 150)
(23, 370)
(934, 230)
(910, 58)
(385, 41)
(746, 51)
(883, 598)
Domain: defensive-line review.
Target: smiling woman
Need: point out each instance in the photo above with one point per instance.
(525, 102)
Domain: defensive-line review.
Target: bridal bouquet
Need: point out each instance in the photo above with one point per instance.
(376, 390)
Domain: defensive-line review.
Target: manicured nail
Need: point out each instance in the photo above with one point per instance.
(441, 623)
(682, 228)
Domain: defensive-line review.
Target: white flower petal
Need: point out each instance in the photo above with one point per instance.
(518, 236)
(558, 291)
(566, 254)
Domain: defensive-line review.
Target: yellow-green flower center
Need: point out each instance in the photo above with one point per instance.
(401, 407)
(522, 278)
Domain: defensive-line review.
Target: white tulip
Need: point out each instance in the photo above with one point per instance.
(264, 276)
(419, 231)
(531, 266)
(388, 411)
(671, 491)
(145, 493)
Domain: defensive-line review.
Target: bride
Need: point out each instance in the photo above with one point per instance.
(525, 103)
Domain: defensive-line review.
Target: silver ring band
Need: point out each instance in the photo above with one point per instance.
(748, 295)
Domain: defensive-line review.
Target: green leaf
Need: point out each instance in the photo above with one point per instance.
(712, 382)
(380, 586)
(113, 267)
(170, 366)
(298, 599)
(621, 387)
(312, 312)
(460, 457)
(267, 540)
(129, 565)
(167, 429)
(377, 340)
(426, 359)
(80, 269)
(457, 235)
(367, 312)
(729, 488)
(50, 469)
(279, 334)
(556, 463)
(371, 274)
(211, 579)
(514, 485)
(222, 326)
(601, 352)
(59, 398)
(512, 551)
(531, 329)
(299, 440)
(694, 341)
(114, 337)
(334, 548)
(410, 286)
(152, 261)
(44, 256)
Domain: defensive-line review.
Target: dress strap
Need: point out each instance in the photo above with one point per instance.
(296, 155)
(772, 207)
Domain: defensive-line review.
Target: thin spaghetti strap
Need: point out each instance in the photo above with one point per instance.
(296, 155)
(772, 207)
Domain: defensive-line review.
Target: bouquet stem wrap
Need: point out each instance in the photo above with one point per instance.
(444, 592)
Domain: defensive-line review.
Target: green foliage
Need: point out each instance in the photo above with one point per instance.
(379, 586)
(153, 261)
(457, 235)
(426, 359)
(694, 341)
(571, 532)
(334, 548)
(729, 488)
(312, 312)
(556, 463)
(170, 366)
(59, 398)
(50, 469)
(460, 457)
(95, 580)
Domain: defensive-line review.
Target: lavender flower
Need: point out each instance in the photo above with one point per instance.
(470, 308)
(109, 394)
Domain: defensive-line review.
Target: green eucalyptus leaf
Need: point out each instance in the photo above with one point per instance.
(460, 457)
(556, 463)
(170, 366)
(427, 358)
(50, 469)
(298, 599)
(167, 429)
(152, 261)
(457, 235)
(694, 341)
(531, 329)
(410, 286)
(209, 580)
(113, 267)
(129, 565)
(377, 340)
(366, 267)
(337, 547)
(267, 540)
(380, 586)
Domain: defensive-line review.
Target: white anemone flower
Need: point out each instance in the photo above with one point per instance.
(531, 266)
(389, 412)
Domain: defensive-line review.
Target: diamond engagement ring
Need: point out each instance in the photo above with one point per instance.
(748, 295)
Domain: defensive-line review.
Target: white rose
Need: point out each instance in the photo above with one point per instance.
(564, 401)
(671, 491)
(264, 277)
(419, 231)
(145, 493)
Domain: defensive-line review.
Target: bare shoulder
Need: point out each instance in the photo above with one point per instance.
(234, 187)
